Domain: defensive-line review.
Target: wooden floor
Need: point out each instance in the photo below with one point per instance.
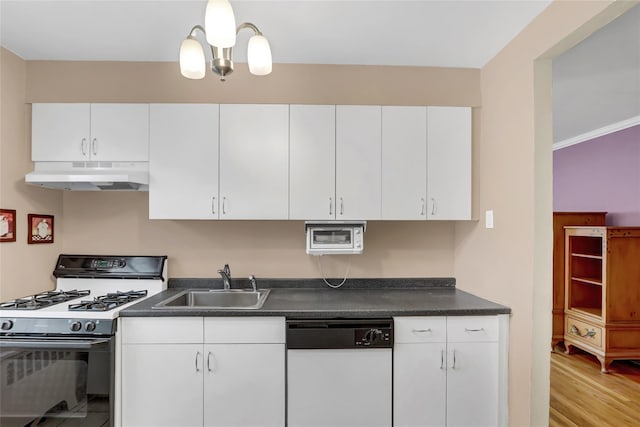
(582, 396)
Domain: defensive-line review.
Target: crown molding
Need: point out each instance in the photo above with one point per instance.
(605, 130)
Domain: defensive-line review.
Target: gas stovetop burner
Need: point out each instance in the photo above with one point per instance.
(42, 300)
(108, 301)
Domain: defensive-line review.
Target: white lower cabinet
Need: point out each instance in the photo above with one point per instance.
(450, 371)
(198, 371)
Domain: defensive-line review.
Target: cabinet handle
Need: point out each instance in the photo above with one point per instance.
(83, 146)
(434, 208)
(197, 357)
(94, 146)
(224, 206)
(341, 206)
(330, 206)
(209, 357)
(454, 360)
(442, 359)
(213, 205)
(423, 206)
(589, 334)
(474, 330)
(421, 331)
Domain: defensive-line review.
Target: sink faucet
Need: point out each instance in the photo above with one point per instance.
(225, 273)
(254, 284)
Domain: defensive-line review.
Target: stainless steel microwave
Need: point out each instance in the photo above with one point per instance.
(333, 238)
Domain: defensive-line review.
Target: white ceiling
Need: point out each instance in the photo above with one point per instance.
(445, 33)
(597, 82)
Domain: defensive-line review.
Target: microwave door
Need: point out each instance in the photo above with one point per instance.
(332, 238)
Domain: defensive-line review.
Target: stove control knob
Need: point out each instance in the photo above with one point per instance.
(90, 326)
(372, 335)
(75, 326)
(7, 324)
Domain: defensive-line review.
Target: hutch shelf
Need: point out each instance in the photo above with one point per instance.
(561, 220)
(602, 292)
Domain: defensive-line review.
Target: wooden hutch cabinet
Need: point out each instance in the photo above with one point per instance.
(602, 292)
(560, 220)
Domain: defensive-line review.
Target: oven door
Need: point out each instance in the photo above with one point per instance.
(50, 380)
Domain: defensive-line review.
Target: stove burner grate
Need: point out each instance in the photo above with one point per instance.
(42, 300)
(108, 301)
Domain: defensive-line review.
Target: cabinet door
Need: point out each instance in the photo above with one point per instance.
(244, 385)
(162, 385)
(120, 132)
(254, 161)
(183, 161)
(419, 384)
(60, 132)
(449, 163)
(404, 163)
(472, 384)
(312, 164)
(358, 162)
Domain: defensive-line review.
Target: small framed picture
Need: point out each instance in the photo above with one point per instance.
(7, 225)
(40, 228)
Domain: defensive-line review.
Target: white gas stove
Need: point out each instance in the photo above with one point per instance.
(88, 288)
(57, 348)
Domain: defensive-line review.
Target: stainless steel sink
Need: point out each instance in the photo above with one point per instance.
(217, 298)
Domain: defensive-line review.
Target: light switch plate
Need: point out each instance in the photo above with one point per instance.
(488, 219)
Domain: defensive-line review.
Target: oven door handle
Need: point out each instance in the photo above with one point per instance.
(71, 344)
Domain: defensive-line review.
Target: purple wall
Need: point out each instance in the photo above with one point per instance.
(602, 174)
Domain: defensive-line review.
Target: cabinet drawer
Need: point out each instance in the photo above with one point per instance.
(473, 329)
(154, 330)
(583, 331)
(420, 329)
(244, 330)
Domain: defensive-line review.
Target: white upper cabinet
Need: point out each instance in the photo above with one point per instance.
(449, 163)
(312, 170)
(97, 132)
(183, 161)
(404, 163)
(358, 162)
(60, 132)
(254, 161)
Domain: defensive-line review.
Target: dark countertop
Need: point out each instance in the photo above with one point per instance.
(370, 298)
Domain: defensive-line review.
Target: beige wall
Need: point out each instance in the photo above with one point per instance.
(512, 262)
(118, 222)
(24, 269)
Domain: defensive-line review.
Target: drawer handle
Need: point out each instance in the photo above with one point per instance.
(589, 334)
(421, 331)
(474, 330)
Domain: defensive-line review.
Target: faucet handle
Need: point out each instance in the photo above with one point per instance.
(227, 270)
(254, 284)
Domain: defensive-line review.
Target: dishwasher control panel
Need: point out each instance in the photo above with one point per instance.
(339, 333)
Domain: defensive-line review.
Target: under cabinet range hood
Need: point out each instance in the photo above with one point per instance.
(91, 176)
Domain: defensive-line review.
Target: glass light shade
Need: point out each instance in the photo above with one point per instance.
(192, 63)
(259, 56)
(220, 23)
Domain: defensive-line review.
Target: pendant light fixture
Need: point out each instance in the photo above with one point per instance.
(220, 31)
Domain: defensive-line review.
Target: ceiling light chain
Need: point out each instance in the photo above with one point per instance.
(220, 31)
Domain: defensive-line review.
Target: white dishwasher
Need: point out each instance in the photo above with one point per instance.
(339, 372)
